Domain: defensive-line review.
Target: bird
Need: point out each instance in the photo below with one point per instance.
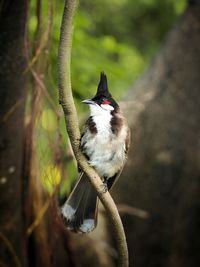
(105, 143)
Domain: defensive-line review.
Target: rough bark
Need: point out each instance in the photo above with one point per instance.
(12, 95)
(162, 175)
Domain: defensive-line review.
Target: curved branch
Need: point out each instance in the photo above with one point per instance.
(72, 126)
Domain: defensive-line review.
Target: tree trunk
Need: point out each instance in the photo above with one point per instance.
(12, 95)
(162, 175)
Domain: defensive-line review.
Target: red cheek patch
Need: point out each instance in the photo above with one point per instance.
(106, 102)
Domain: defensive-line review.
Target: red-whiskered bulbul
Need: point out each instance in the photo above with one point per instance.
(105, 143)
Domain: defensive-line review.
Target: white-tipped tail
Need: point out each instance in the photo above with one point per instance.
(80, 210)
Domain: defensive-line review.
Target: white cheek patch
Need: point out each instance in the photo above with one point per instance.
(107, 107)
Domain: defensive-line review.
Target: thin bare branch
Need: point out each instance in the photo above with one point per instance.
(72, 125)
(126, 209)
(11, 249)
(39, 217)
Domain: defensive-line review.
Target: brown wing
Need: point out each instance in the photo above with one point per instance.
(112, 180)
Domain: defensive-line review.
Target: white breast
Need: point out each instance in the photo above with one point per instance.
(105, 150)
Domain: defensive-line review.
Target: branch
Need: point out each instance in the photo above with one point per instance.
(72, 126)
(11, 249)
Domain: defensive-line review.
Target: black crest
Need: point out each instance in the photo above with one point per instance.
(102, 90)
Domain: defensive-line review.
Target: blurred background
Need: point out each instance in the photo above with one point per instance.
(118, 37)
(150, 52)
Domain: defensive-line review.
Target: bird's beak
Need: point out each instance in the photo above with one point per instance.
(89, 102)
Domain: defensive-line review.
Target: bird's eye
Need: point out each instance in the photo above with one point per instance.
(106, 102)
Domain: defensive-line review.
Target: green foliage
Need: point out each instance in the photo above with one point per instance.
(140, 23)
(117, 36)
(121, 62)
(91, 54)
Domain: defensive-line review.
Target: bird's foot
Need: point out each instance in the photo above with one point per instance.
(104, 188)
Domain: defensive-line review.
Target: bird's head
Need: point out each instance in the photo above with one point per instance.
(102, 102)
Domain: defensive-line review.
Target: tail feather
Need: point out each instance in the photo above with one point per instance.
(80, 209)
